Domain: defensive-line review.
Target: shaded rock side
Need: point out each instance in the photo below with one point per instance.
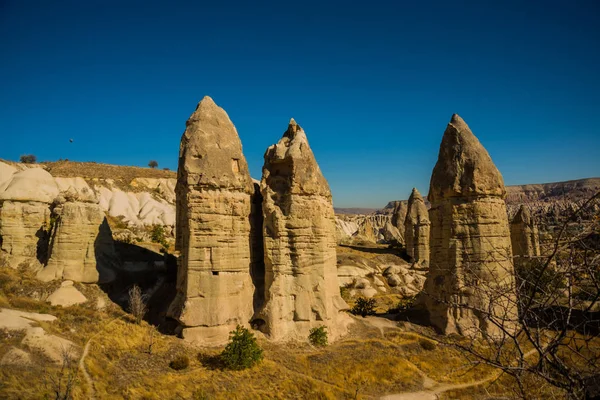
(524, 237)
(25, 199)
(81, 245)
(301, 283)
(416, 229)
(471, 279)
(213, 207)
(399, 215)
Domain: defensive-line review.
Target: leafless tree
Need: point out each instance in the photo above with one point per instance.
(62, 381)
(554, 335)
(137, 304)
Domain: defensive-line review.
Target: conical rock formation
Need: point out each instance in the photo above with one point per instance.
(471, 283)
(213, 207)
(301, 284)
(416, 229)
(524, 237)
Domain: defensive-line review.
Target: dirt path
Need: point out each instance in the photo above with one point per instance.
(86, 348)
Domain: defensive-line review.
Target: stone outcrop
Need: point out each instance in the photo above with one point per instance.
(471, 278)
(25, 199)
(81, 245)
(399, 215)
(524, 237)
(416, 229)
(214, 200)
(301, 284)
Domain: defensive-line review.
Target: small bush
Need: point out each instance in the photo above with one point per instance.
(318, 336)
(153, 164)
(242, 351)
(345, 293)
(427, 344)
(180, 362)
(364, 307)
(28, 159)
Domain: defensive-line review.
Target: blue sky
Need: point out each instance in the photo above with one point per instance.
(372, 83)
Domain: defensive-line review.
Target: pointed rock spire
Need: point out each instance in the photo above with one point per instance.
(416, 229)
(464, 167)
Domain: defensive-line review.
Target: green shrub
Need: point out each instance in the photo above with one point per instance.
(427, 344)
(242, 351)
(364, 307)
(28, 159)
(318, 336)
(403, 305)
(180, 362)
(345, 293)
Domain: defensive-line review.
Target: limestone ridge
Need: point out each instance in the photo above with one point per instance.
(301, 284)
(470, 247)
(213, 208)
(524, 237)
(417, 229)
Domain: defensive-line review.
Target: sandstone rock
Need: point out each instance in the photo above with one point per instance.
(66, 295)
(51, 346)
(16, 357)
(524, 237)
(6, 173)
(361, 283)
(347, 274)
(302, 290)
(368, 292)
(416, 229)
(25, 215)
(81, 245)
(394, 280)
(214, 191)
(471, 260)
(399, 215)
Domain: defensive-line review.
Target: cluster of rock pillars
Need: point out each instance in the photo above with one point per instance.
(264, 253)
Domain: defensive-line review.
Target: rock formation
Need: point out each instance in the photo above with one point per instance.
(25, 216)
(214, 191)
(399, 215)
(301, 284)
(416, 229)
(524, 237)
(81, 245)
(471, 279)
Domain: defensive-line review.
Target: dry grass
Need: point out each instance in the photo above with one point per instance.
(91, 170)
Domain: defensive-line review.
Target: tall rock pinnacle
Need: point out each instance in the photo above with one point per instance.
(471, 283)
(301, 284)
(213, 207)
(416, 229)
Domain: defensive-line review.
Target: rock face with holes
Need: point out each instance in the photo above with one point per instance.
(25, 199)
(301, 283)
(416, 229)
(471, 281)
(81, 245)
(213, 208)
(524, 237)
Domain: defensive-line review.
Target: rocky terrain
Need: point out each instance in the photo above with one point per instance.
(211, 249)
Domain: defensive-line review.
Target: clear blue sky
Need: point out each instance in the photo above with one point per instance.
(372, 83)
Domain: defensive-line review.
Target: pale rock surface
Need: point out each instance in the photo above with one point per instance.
(301, 283)
(399, 215)
(6, 173)
(81, 245)
(25, 215)
(524, 237)
(35, 337)
(16, 357)
(471, 257)
(347, 274)
(214, 201)
(66, 295)
(416, 229)
(51, 345)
